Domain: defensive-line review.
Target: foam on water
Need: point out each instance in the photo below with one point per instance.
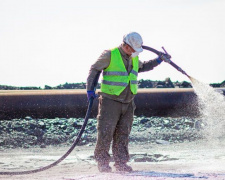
(211, 104)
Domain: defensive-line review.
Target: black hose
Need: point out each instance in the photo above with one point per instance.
(171, 62)
(152, 50)
(65, 155)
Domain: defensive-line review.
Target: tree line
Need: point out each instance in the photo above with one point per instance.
(167, 83)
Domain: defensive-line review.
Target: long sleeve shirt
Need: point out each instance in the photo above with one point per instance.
(103, 62)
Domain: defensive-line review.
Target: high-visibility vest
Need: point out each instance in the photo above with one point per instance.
(116, 77)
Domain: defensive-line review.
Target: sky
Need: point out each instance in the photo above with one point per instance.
(51, 42)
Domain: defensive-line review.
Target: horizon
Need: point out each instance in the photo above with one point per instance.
(100, 83)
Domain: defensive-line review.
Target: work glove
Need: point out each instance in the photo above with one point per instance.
(91, 94)
(159, 60)
(165, 57)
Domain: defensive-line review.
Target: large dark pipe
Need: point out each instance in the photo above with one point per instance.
(73, 103)
(43, 103)
(166, 102)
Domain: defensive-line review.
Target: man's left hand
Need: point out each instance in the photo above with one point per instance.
(165, 57)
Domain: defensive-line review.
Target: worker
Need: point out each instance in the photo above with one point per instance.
(120, 67)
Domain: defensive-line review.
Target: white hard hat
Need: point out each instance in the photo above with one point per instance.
(134, 40)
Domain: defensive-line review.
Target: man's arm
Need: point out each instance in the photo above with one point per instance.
(148, 65)
(102, 62)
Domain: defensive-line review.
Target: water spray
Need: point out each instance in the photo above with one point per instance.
(211, 103)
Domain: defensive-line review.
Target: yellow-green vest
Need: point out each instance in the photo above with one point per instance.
(116, 77)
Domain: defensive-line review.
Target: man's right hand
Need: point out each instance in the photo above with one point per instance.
(91, 94)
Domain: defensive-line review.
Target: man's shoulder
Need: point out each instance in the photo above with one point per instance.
(106, 53)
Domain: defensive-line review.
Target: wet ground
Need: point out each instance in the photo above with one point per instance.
(188, 160)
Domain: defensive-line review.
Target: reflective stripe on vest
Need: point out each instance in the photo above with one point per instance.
(115, 73)
(133, 82)
(134, 72)
(114, 83)
(116, 77)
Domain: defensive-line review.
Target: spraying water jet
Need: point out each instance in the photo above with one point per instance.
(211, 103)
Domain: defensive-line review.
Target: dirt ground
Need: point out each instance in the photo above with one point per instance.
(189, 160)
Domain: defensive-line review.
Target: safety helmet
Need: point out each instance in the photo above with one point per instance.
(134, 40)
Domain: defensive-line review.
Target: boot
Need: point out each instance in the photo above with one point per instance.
(103, 167)
(123, 167)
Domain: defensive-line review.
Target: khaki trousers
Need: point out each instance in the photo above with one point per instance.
(114, 125)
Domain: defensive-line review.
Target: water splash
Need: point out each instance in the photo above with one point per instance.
(211, 104)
